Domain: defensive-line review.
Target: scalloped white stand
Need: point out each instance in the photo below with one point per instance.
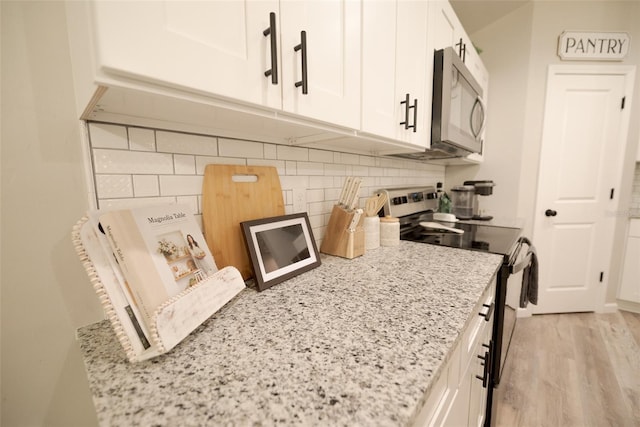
(174, 320)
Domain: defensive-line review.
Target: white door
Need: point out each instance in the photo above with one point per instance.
(332, 29)
(211, 47)
(583, 143)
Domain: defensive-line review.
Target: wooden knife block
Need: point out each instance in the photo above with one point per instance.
(338, 240)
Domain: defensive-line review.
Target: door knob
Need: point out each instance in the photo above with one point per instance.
(550, 212)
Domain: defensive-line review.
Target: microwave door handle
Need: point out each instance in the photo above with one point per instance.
(477, 104)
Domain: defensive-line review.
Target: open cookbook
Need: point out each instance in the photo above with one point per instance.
(153, 273)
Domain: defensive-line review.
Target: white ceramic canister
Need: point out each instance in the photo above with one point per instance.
(371, 232)
(389, 231)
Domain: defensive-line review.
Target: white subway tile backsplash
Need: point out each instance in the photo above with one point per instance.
(291, 167)
(244, 149)
(315, 196)
(142, 139)
(289, 182)
(335, 170)
(203, 161)
(367, 161)
(113, 186)
(184, 164)
(132, 162)
(292, 153)
(320, 156)
(134, 202)
(136, 166)
(180, 185)
(320, 181)
(310, 168)
(191, 201)
(334, 193)
(278, 164)
(360, 170)
(270, 151)
(108, 136)
(346, 158)
(146, 186)
(174, 142)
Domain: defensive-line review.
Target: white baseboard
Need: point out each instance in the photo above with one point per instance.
(633, 307)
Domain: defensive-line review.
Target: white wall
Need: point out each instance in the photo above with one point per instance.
(507, 60)
(517, 52)
(45, 294)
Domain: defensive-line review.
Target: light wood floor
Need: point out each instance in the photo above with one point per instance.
(568, 370)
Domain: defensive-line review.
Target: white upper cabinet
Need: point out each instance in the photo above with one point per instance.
(224, 49)
(396, 84)
(215, 47)
(332, 52)
(446, 30)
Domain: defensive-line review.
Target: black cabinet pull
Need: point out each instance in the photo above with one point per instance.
(550, 212)
(273, 71)
(487, 315)
(415, 115)
(406, 112)
(485, 374)
(303, 48)
(407, 107)
(462, 50)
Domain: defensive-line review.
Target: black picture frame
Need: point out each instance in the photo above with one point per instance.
(280, 248)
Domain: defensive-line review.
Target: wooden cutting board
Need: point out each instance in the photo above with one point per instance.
(232, 194)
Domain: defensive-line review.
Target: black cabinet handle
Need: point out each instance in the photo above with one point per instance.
(415, 115)
(487, 315)
(550, 212)
(485, 374)
(407, 107)
(406, 112)
(462, 50)
(273, 72)
(303, 48)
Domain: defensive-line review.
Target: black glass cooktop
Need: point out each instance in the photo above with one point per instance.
(487, 238)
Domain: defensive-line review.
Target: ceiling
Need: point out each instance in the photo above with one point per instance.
(477, 14)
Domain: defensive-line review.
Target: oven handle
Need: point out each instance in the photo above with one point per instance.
(516, 268)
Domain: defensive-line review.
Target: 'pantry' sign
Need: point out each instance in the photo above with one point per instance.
(574, 45)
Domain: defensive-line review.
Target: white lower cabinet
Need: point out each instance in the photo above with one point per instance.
(630, 285)
(459, 395)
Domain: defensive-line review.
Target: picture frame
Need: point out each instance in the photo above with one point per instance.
(280, 248)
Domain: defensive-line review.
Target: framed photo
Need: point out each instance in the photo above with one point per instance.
(280, 248)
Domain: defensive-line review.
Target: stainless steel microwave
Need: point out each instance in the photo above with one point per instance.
(458, 112)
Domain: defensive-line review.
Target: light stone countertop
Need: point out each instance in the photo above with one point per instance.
(353, 342)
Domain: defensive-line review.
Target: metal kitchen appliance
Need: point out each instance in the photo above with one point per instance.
(416, 205)
(462, 201)
(481, 188)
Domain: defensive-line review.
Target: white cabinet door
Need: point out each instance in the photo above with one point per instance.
(476, 374)
(447, 31)
(630, 286)
(396, 98)
(332, 29)
(213, 47)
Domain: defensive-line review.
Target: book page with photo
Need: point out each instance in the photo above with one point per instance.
(160, 250)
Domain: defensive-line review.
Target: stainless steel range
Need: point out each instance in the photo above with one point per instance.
(416, 209)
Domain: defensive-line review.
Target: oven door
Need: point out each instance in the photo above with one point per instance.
(512, 282)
